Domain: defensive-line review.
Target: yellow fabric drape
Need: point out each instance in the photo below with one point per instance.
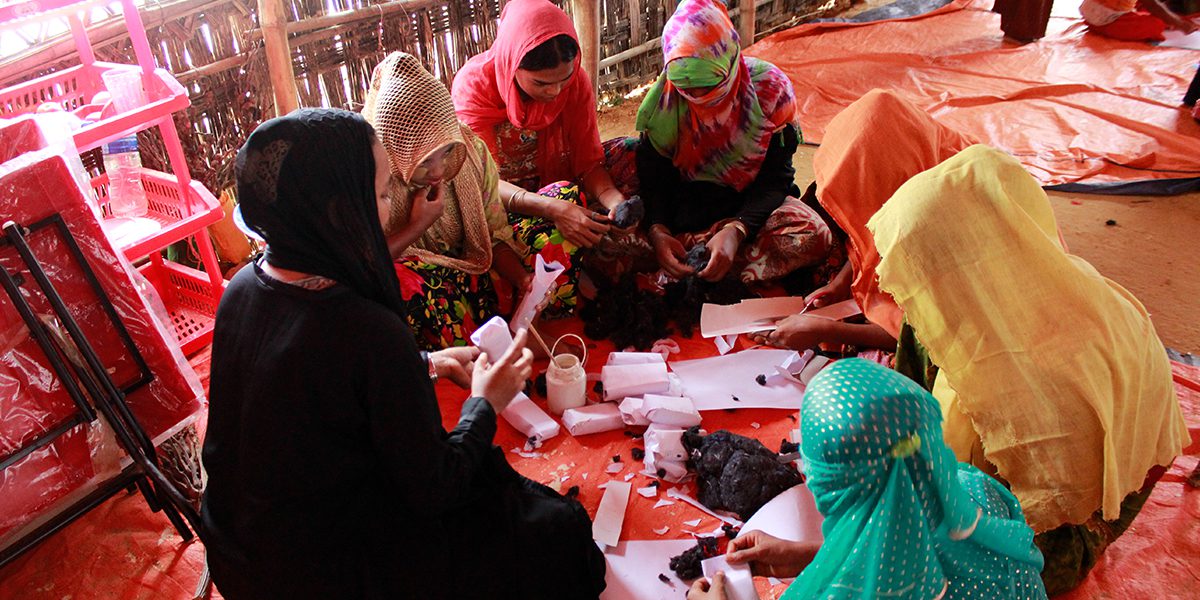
(1057, 369)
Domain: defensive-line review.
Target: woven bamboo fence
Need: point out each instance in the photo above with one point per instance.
(215, 49)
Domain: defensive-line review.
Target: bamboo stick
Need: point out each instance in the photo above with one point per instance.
(586, 14)
(279, 56)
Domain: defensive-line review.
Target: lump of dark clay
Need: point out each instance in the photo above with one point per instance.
(629, 212)
(736, 473)
(638, 454)
(687, 565)
(761, 379)
(697, 257)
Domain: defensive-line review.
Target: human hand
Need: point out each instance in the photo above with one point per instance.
(797, 332)
(455, 364)
(499, 382)
(770, 556)
(427, 206)
(722, 247)
(670, 254)
(835, 291)
(578, 225)
(702, 589)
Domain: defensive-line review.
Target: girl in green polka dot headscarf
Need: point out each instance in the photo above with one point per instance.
(903, 518)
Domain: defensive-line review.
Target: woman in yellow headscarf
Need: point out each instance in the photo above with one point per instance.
(1050, 376)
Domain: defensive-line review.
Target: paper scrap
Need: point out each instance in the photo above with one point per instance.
(610, 515)
(629, 476)
(661, 530)
(725, 343)
(755, 424)
(614, 468)
(739, 582)
(692, 523)
(813, 367)
(634, 567)
(678, 495)
(662, 503)
(792, 516)
(713, 382)
(649, 491)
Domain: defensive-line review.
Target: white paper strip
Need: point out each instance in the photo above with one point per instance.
(610, 515)
(678, 495)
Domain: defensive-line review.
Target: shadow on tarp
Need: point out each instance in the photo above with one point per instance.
(1077, 109)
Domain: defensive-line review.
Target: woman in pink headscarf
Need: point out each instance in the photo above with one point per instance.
(532, 104)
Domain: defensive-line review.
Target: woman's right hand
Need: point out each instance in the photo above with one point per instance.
(427, 206)
(578, 225)
(836, 290)
(670, 253)
(499, 382)
(770, 556)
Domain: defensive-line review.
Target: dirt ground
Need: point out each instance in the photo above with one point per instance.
(1153, 250)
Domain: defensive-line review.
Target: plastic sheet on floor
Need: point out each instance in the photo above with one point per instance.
(1077, 109)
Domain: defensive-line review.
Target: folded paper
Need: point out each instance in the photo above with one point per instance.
(596, 418)
(493, 337)
(674, 411)
(739, 581)
(632, 413)
(539, 288)
(617, 359)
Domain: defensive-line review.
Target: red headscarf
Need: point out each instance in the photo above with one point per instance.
(486, 94)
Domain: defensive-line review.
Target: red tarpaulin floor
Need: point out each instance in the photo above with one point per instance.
(121, 550)
(1073, 107)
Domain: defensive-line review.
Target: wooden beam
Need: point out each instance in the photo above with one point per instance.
(635, 51)
(586, 14)
(746, 19)
(212, 68)
(279, 55)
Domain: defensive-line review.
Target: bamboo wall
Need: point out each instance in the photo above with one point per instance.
(215, 49)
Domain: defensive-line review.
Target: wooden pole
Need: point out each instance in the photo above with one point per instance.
(587, 25)
(279, 55)
(748, 10)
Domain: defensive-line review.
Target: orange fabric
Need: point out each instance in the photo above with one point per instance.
(1133, 26)
(871, 148)
(1073, 107)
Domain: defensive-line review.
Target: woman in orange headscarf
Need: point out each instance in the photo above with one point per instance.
(870, 149)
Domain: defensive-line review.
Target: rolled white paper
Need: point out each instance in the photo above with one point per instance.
(622, 381)
(493, 337)
(739, 581)
(674, 411)
(635, 358)
(593, 419)
(530, 419)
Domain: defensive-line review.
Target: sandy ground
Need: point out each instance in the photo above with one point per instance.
(1152, 250)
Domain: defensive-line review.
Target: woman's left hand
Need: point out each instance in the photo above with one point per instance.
(703, 590)
(722, 247)
(455, 364)
(797, 332)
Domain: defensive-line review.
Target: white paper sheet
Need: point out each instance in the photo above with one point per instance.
(1176, 39)
(610, 515)
(621, 381)
(678, 495)
(756, 314)
(792, 515)
(634, 567)
(493, 337)
(739, 581)
(596, 418)
(712, 383)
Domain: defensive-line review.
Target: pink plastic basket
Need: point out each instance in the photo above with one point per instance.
(75, 88)
(178, 219)
(187, 295)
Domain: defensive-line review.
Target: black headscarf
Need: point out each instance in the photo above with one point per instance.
(306, 184)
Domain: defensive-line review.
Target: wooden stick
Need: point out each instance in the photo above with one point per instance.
(537, 336)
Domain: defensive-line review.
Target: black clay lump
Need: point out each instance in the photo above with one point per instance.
(736, 473)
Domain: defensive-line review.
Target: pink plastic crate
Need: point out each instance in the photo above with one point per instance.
(74, 90)
(187, 295)
(178, 219)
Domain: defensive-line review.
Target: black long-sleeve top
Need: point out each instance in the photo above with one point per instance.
(328, 465)
(689, 206)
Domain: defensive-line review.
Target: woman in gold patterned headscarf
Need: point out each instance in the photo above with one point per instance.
(448, 228)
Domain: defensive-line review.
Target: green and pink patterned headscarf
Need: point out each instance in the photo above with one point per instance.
(721, 135)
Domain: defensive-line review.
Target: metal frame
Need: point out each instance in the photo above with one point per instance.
(107, 397)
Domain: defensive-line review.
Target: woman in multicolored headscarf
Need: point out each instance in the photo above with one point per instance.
(448, 228)
(715, 157)
(903, 518)
(1050, 375)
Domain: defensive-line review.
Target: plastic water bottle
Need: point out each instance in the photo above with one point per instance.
(126, 197)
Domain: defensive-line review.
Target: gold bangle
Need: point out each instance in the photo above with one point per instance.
(740, 227)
